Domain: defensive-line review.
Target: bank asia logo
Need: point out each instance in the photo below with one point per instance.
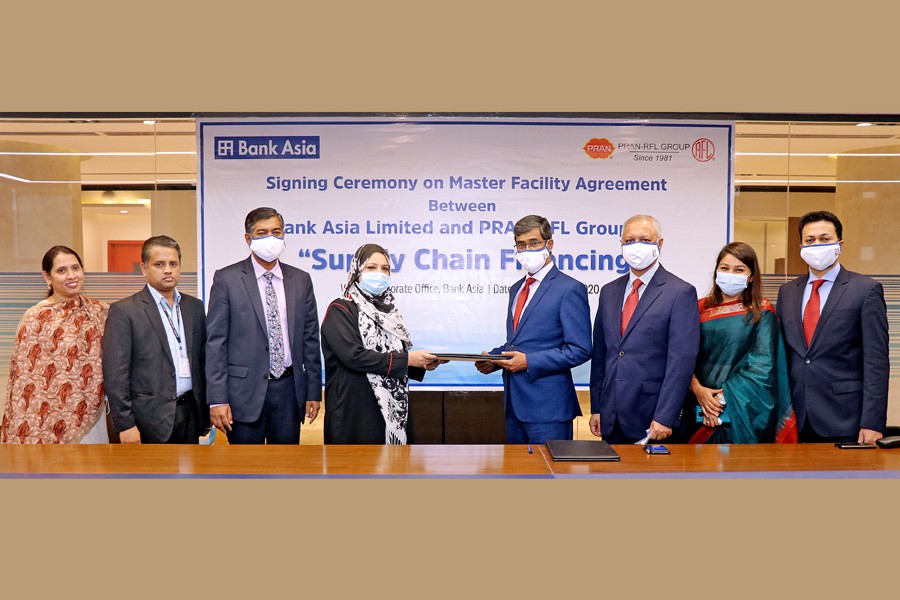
(270, 146)
(599, 148)
(703, 150)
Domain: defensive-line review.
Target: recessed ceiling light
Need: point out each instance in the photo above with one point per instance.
(149, 122)
(863, 124)
(124, 212)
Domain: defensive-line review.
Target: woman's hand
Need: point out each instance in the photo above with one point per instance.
(422, 359)
(708, 401)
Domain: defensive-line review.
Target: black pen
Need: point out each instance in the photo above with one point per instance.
(529, 449)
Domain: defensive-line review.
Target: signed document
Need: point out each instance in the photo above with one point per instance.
(467, 356)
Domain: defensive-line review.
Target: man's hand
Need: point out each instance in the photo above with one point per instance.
(130, 436)
(518, 362)
(594, 423)
(220, 417)
(868, 436)
(312, 411)
(485, 366)
(658, 431)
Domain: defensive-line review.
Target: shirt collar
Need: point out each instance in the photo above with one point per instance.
(157, 296)
(259, 270)
(646, 277)
(829, 276)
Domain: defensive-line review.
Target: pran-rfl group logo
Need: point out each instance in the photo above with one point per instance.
(599, 148)
(703, 150)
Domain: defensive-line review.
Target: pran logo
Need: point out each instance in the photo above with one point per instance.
(599, 148)
(703, 150)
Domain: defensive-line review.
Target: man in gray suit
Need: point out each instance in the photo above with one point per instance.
(263, 367)
(153, 355)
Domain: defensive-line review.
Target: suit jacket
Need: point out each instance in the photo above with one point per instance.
(555, 334)
(237, 345)
(839, 383)
(139, 370)
(643, 375)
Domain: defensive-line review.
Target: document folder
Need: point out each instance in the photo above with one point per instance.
(581, 450)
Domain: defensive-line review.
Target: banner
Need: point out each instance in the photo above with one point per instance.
(442, 196)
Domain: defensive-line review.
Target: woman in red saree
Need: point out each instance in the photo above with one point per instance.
(55, 391)
(740, 387)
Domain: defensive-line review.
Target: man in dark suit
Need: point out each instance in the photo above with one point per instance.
(646, 339)
(263, 368)
(548, 333)
(153, 355)
(835, 326)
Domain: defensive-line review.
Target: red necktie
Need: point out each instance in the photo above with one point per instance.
(811, 312)
(631, 303)
(520, 301)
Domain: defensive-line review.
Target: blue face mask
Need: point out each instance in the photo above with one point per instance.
(731, 284)
(374, 284)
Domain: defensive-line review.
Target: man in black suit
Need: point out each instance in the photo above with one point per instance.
(263, 367)
(153, 355)
(835, 326)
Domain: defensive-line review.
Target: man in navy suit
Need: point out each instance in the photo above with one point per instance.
(263, 368)
(835, 326)
(646, 339)
(548, 333)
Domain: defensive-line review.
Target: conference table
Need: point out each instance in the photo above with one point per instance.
(439, 461)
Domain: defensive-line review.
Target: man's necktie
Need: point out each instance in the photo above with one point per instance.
(631, 303)
(273, 325)
(811, 312)
(520, 301)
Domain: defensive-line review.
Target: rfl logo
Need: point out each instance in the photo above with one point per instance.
(703, 150)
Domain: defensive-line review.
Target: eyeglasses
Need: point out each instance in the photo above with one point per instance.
(531, 245)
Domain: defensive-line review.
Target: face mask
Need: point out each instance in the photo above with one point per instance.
(731, 284)
(532, 260)
(267, 248)
(640, 255)
(821, 256)
(374, 284)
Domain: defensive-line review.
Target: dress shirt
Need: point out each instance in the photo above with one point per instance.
(824, 289)
(645, 279)
(278, 284)
(172, 316)
(538, 277)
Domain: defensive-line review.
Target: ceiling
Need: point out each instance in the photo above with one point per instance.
(162, 152)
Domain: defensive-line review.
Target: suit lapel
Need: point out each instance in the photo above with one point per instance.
(834, 297)
(546, 282)
(290, 298)
(152, 312)
(654, 289)
(187, 321)
(250, 283)
(612, 310)
(792, 311)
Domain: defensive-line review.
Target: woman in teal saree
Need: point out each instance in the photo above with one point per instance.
(740, 389)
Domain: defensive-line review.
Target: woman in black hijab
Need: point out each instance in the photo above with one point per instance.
(368, 361)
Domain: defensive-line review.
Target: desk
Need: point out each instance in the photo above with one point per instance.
(479, 461)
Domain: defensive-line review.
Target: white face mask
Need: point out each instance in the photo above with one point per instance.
(821, 256)
(532, 260)
(267, 248)
(640, 255)
(731, 284)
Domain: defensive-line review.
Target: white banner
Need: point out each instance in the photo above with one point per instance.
(442, 195)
